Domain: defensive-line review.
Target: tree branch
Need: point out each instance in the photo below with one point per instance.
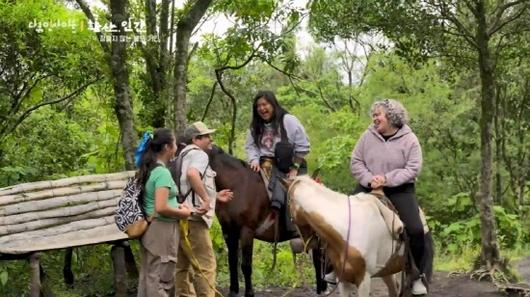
(447, 15)
(252, 56)
(324, 98)
(499, 23)
(209, 101)
(218, 75)
(290, 75)
(192, 51)
(88, 13)
(26, 113)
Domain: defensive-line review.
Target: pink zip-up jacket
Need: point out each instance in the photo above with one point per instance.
(399, 158)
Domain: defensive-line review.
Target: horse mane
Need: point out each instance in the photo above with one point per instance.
(227, 158)
(307, 180)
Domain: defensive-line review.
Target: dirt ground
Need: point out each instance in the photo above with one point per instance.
(443, 285)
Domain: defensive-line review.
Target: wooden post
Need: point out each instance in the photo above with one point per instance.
(118, 263)
(68, 275)
(35, 275)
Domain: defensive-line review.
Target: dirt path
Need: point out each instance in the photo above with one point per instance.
(443, 286)
(523, 267)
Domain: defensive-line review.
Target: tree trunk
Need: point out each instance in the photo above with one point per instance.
(499, 135)
(118, 63)
(490, 255)
(184, 29)
(155, 55)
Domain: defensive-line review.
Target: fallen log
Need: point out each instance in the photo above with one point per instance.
(65, 191)
(43, 185)
(61, 212)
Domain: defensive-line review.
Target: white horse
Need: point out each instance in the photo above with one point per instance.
(360, 244)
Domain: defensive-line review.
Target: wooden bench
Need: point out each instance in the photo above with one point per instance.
(58, 214)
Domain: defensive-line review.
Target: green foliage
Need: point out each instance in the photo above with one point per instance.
(463, 230)
(82, 136)
(4, 276)
(41, 64)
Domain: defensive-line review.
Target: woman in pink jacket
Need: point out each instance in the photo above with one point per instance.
(388, 155)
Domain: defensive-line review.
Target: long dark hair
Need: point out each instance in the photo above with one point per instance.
(161, 137)
(257, 125)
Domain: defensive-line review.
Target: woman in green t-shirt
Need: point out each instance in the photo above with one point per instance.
(159, 244)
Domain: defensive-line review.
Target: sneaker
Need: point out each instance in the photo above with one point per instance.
(331, 278)
(418, 288)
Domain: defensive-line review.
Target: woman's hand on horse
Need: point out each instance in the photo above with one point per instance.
(254, 165)
(225, 195)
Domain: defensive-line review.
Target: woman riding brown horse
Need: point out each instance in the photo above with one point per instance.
(248, 216)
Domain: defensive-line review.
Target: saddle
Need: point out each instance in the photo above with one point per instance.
(266, 172)
(388, 212)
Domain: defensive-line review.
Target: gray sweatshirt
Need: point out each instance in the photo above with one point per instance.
(399, 158)
(295, 134)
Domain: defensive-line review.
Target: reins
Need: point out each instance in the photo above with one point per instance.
(184, 227)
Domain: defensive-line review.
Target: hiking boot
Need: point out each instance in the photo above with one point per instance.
(418, 288)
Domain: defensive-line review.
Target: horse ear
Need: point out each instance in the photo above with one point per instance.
(316, 174)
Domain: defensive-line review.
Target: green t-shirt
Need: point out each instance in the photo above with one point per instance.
(160, 177)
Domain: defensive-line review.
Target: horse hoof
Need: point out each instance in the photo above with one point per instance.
(232, 294)
(249, 294)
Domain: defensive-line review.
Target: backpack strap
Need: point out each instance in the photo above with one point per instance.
(178, 173)
(283, 132)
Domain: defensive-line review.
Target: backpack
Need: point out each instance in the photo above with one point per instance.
(129, 216)
(176, 173)
(284, 151)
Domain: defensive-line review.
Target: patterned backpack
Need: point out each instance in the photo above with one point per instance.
(129, 216)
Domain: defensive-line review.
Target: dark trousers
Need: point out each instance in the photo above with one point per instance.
(279, 194)
(404, 200)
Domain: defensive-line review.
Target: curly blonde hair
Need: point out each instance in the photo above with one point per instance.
(395, 112)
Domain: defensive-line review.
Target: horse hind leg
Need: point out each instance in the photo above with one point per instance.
(232, 242)
(247, 242)
(346, 289)
(364, 288)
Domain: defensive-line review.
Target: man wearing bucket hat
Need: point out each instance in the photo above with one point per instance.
(196, 258)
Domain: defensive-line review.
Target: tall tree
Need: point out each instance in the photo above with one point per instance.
(185, 27)
(116, 56)
(469, 32)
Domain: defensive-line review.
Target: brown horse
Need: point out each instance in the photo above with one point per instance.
(246, 217)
